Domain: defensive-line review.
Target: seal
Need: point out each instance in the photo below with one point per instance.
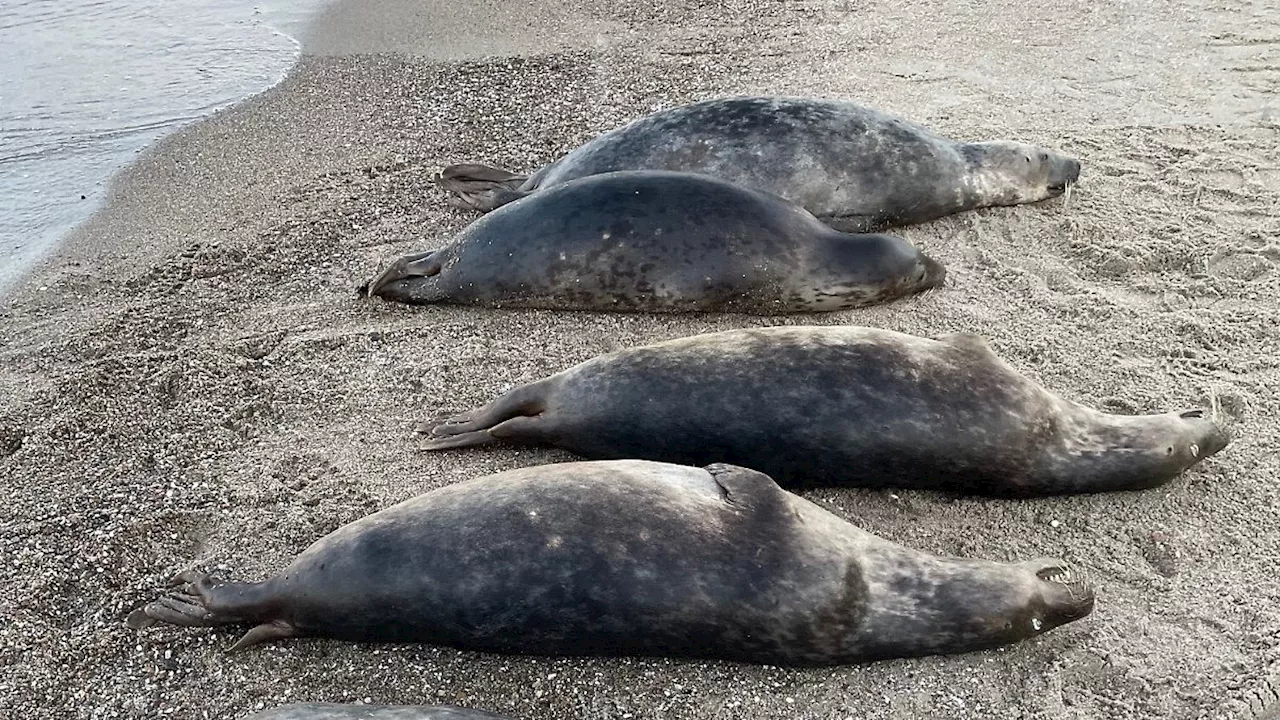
(347, 711)
(855, 168)
(844, 405)
(659, 241)
(634, 558)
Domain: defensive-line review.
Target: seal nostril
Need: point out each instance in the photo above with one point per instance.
(1052, 572)
(1192, 414)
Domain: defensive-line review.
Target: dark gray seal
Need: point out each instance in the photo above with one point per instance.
(841, 406)
(659, 241)
(634, 558)
(855, 168)
(347, 711)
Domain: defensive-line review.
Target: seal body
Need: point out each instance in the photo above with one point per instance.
(634, 558)
(855, 168)
(841, 406)
(345, 711)
(659, 242)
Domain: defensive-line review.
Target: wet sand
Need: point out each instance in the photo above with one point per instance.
(192, 380)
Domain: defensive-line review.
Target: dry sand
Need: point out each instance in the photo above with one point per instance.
(192, 381)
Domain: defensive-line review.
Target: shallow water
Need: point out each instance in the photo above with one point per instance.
(87, 84)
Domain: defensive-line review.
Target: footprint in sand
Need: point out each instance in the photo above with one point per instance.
(1239, 266)
(1263, 702)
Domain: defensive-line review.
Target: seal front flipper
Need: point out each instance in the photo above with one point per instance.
(480, 187)
(746, 488)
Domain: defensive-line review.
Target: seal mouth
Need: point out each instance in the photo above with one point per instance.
(1066, 174)
(1063, 575)
(933, 274)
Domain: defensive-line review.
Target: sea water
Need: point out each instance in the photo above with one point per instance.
(87, 84)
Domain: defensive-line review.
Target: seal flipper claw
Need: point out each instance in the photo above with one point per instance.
(470, 439)
(187, 611)
(274, 630)
(520, 427)
(139, 620)
(199, 580)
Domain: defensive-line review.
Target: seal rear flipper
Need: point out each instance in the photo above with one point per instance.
(517, 428)
(525, 401)
(200, 602)
(480, 187)
(426, 264)
(274, 630)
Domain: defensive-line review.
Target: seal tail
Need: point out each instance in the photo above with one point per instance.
(201, 603)
(480, 187)
(509, 416)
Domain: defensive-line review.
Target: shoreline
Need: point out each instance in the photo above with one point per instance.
(83, 146)
(191, 381)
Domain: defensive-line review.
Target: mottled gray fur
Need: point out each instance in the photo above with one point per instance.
(659, 241)
(634, 558)
(855, 168)
(841, 405)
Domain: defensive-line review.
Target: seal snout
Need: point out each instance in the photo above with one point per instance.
(1063, 172)
(1065, 592)
(932, 273)
(1207, 436)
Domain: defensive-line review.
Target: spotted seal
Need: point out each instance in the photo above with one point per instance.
(659, 241)
(635, 558)
(856, 168)
(841, 406)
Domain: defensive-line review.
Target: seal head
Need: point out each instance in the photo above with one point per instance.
(1010, 173)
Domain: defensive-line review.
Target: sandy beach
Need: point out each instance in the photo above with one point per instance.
(192, 380)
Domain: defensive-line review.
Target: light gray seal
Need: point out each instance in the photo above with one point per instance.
(838, 405)
(855, 168)
(634, 558)
(351, 711)
(657, 241)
